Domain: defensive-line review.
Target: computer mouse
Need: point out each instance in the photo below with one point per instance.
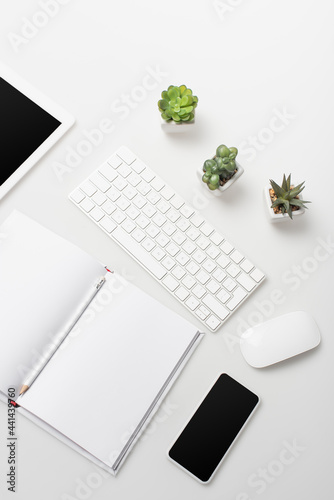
(279, 338)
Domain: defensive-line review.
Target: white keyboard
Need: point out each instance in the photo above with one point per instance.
(172, 241)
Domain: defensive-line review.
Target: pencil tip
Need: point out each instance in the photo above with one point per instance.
(24, 388)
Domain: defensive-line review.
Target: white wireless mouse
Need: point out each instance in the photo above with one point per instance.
(279, 338)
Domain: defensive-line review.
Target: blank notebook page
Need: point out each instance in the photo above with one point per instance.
(44, 281)
(100, 385)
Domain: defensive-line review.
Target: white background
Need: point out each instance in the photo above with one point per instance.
(245, 61)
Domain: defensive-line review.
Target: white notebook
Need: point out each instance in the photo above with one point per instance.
(122, 354)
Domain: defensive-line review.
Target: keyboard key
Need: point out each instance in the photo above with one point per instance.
(183, 224)
(189, 282)
(257, 275)
(114, 161)
(118, 217)
(238, 295)
(193, 233)
(246, 265)
(143, 188)
(229, 284)
(88, 188)
(170, 283)
(158, 253)
(216, 238)
(120, 183)
(236, 256)
(212, 286)
(186, 211)
(126, 155)
(206, 229)
(167, 193)
(246, 281)
(157, 184)
(128, 225)
(108, 224)
(132, 212)
(142, 221)
(182, 258)
(139, 201)
(216, 307)
(163, 206)
(138, 166)
(223, 296)
(233, 270)
(197, 220)
(148, 244)
(189, 247)
(113, 194)
(227, 247)
(108, 207)
(99, 198)
(129, 192)
(147, 175)
(192, 303)
(192, 268)
(212, 322)
(176, 201)
(159, 219)
(199, 291)
(182, 293)
(152, 230)
(202, 312)
(124, 170)
(100, 182)
(178, 272)
(172, 249)
(199, 256)
(96, 214)
(108, 172)
(168, 228)
(123, 203)
(153, 197)
(168, 263)
(134, 179)
(179, 238)
(202, 277)
(222, 261)
(138, 235)
(203, 243)
(209, 265)
(172, 215)
(87, 205)
(148, 210)
(162, 240)
(213, 252)
(219, 275)
(77, 196)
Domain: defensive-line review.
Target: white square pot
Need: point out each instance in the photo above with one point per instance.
(172, 127)
(221, 189)
(279, 217)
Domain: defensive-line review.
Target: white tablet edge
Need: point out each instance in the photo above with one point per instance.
(48, 105)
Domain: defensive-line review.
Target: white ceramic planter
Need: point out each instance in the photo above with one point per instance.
(221, 189)
(172, 127)
(280, 217)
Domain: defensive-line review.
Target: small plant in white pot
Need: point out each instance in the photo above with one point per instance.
(177, 108)
(284, 202)
(222, 170)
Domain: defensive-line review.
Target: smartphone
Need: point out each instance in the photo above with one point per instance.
(209, 434)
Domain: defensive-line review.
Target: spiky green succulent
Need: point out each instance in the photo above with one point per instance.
(177, 104)
(221, 168)
(287, 196)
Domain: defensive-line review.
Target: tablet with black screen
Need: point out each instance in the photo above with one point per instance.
(30, 123)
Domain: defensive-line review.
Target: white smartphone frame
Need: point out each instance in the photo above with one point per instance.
(66, 121)
(228, 450)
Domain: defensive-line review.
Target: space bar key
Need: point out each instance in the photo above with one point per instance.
(138, 253)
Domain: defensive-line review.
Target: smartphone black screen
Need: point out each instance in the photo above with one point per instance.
(214, 426)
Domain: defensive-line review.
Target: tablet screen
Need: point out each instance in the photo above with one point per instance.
(24, 126)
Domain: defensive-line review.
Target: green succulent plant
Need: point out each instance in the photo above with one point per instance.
(221, 168)
(287, 196)
(177, 104)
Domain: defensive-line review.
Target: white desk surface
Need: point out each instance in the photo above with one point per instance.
(247, 62)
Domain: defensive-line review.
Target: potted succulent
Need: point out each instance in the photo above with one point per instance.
(219, 172)
(284, 202)
(177, 108)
